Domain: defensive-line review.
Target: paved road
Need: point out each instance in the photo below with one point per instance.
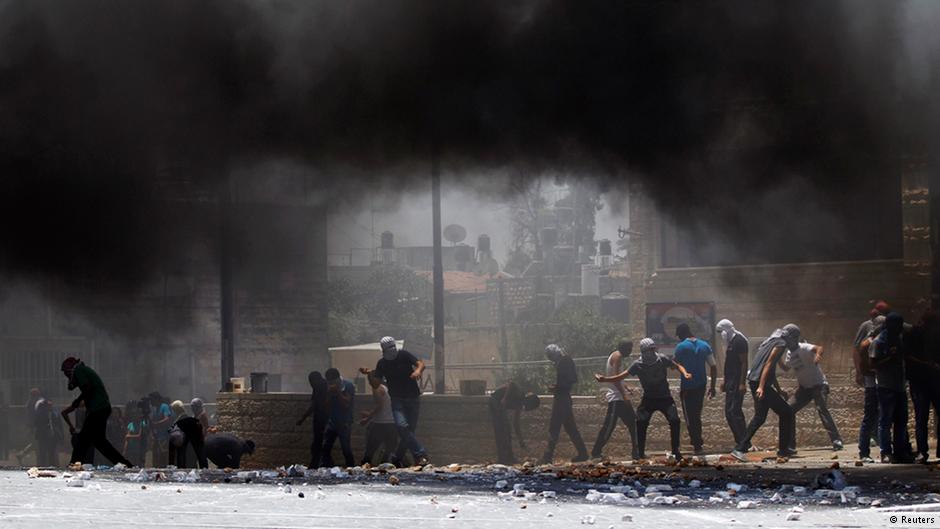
(48, 502)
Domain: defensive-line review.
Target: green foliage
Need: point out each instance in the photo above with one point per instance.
(391, 297)
(583, 331)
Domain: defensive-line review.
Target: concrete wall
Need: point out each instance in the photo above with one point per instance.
(457, 429)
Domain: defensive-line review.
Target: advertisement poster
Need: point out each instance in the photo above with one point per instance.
(662, 319)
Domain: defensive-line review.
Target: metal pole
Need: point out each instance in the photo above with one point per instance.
(227, 302)
(438, 276)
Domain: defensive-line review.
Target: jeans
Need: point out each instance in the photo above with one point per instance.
(406, 411)
(316, 446)
(818, 395)
(502, 432)
(93, 434)
(925, 396)
(869, 426)
(621, 410)
(341, 431)
(734, 400)
(771, 401)
(380, 435)
(693, 399)
(563, 416)
(892, 422)
(644, 413)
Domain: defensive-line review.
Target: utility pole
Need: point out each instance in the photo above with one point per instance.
(226, 287)
(438, 275)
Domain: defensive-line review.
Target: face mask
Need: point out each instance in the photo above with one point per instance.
(648, 357)
(727, 335)
(390, 353)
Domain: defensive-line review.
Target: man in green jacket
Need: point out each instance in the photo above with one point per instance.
(97, 411)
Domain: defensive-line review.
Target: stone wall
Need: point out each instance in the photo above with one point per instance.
(457, 429)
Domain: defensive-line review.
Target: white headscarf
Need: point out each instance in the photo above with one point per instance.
(728, 332)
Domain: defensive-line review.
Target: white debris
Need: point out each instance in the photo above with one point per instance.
(666, 500)
(776, 498)
(531, 496)
(723, 494)
(737, 487)
(269, 474)
(588, 520)
(192, 477)
(518, 490)
(933, 496)
(247, 474)
(695, 484)
(339, 473)
(796, 508)
(626, 518)
(140, 476)
(747, 504)
(75, 483)
(501, 484)
(799, 490)
(88, 467)
(659, 488)
(876, 503)
(549, 494)
(863, 500)
(178, 476)
(653, 495)
(120, 467)
(853, 489)
(504, 495)
(33, 472)
(793, 516)
(621, 488)
(715, 499)
(288, 489)
(594, 496)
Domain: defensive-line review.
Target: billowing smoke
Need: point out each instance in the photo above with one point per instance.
(107, 105)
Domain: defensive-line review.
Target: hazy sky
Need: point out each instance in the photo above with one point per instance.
(410, 220)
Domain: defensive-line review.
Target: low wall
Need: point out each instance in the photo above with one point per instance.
(457, 428)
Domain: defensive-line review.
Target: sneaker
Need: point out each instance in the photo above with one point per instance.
(921, 459)
(786, 453)
(866, 459)
(886, 458)
(422, 460)
(739, 455)
(580, 458)
(837, 445)
(754, 448)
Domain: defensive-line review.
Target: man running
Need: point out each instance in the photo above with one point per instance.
(651, 369)
(762, 378)
(97, 411)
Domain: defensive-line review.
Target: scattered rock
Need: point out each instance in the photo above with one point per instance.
(736, 487)
(626, 518)
(793, 516)
(501, 484)
(300, 495)
(588, 520)
(833, 479)
(747, 504)
(695, 484)
(859, 463)
(393, 480)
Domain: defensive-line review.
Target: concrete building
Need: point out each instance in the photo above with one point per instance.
(826, 298)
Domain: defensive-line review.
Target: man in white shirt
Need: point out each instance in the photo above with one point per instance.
(804, 360)
(619, 406)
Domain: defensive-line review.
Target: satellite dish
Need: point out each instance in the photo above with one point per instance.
(455, 233)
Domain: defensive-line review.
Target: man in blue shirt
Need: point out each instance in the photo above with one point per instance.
(341, 393)
(694, 355)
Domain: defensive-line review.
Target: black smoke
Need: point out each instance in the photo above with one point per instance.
(109, 108)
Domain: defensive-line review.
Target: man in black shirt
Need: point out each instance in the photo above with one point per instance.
(762, 378)
(562, 413)
(401, 371)
(226, 450)
(320, 409)
(509, 397)
(651, 370)
(735, 381)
